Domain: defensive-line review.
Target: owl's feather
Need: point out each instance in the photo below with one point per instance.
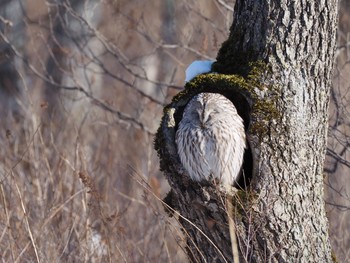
(211, 139)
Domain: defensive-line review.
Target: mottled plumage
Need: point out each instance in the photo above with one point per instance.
(211, 139)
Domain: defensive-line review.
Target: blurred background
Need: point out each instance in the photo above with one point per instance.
(82, 87)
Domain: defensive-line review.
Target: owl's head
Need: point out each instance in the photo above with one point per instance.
(205, 108)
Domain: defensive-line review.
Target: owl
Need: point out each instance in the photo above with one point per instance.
(211, 139)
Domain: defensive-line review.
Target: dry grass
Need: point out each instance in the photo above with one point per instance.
(79, 182)
(62, 203)
(79, 178)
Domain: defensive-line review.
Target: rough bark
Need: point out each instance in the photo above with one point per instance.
(281, 218)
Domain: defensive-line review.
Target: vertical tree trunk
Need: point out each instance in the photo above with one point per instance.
(74, 48)
(12, 36)
(282, 216)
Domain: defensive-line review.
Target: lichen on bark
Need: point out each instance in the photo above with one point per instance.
(279, 75)
(254, 96)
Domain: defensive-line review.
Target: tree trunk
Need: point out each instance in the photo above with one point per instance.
(12, 75)
(72, 63)
(278, 60)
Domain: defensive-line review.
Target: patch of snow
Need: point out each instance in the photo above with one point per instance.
(198, 67)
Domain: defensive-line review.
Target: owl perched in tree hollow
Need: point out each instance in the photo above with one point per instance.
(211, 139)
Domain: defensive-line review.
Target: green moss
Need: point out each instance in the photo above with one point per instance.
(158, 142)
(265, 94)
(233, 58)
(334, 257)
(256, 89)
(210, 82)
(242, 200)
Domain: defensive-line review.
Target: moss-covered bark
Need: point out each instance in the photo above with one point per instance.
(275, 67)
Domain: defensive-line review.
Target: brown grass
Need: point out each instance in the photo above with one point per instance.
(54, 211)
